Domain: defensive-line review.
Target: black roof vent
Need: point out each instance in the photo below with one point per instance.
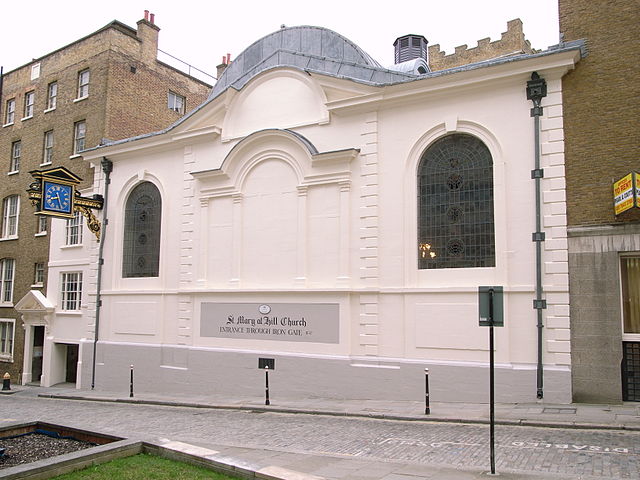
(409, 47)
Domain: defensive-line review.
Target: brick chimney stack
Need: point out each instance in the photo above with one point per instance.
(226, 59)
(148, 36)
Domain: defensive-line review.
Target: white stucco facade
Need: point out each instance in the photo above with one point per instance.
(299, 190)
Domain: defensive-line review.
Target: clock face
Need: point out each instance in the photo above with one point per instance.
(57, 197)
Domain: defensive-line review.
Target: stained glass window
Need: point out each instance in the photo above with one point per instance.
(455, 204)
(141, 255)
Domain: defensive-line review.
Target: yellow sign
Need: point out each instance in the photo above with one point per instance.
(637, 175)
(623, 193)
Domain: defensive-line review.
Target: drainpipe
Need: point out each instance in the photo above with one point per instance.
(107, 167)
(536, 91)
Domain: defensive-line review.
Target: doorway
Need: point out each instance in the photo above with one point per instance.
(72, 363)
(37, 353)
(630, 279)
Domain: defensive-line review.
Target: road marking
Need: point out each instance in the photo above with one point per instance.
(421, 443)
(568, 447)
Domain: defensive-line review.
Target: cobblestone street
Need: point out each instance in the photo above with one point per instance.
(578, 453)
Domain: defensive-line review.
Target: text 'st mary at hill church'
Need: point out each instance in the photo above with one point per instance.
(291, 322)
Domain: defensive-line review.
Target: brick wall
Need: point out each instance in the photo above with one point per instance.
(137, 97)
(512, 41)
(601, 103)
(120, 104)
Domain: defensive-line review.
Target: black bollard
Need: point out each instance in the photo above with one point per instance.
(427, 409)
(6, 382)
(131, 383)
(266, 373)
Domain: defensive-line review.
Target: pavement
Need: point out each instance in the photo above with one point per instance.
(297, 465)
(625, 416)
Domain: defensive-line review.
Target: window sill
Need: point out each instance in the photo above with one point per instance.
(14, 172)
(71, 313)
(26, 118)
(40, 234)
(7, 124)
(45, 164)
(6, 305)
(6, 239)
(75, 155)
(75, 245)
(6, 358)
(76, 100)
(49, 110)
(37, 285)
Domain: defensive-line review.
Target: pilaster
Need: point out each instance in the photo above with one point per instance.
(554, 212)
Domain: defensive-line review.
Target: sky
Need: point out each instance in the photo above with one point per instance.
(201, 32)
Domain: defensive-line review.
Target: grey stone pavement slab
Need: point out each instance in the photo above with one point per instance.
(292, 462)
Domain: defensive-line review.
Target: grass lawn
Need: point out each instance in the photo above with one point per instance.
(143, 467)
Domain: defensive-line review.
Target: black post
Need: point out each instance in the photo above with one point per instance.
(491, 387)
(266, 373)
(427, 409)
(131, 383)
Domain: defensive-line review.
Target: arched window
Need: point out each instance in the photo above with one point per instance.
(455, 204)
(141, 249)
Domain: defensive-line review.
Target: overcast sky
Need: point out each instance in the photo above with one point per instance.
(201, 32)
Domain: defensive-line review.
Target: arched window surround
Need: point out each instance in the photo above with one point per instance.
(454, 277)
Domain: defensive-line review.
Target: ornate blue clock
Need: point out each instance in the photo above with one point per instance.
(53, 193)
(57, 197)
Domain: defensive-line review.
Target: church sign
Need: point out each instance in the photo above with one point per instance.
(291, 322)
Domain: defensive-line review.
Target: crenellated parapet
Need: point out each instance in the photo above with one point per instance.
(512, 42)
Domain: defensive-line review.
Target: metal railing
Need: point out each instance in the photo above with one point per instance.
(185, 67)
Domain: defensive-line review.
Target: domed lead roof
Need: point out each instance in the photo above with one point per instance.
(307, 48)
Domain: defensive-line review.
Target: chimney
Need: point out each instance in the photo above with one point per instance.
(226, 59)
(410, 47)
(148, 36)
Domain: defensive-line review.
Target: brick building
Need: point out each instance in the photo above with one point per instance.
(108, 85)
(601, 104)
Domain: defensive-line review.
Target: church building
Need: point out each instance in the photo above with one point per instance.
(334, 219)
